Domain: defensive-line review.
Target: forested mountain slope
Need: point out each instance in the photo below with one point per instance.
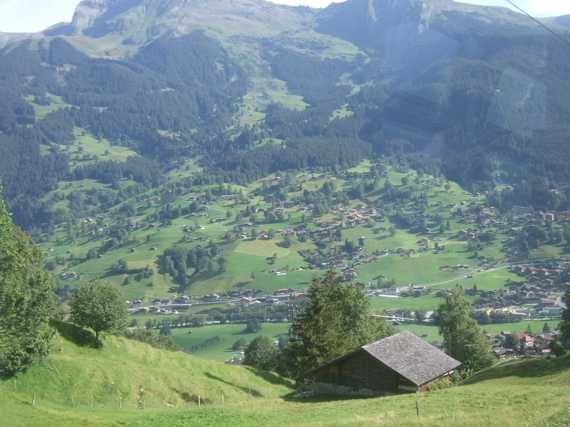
(250, 87)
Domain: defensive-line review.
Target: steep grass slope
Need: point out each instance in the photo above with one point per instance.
(87, 387)
(84, 386)
(527, 393)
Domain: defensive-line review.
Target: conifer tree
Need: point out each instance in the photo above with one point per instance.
(565, 323)
(335, 321)
(463, 338)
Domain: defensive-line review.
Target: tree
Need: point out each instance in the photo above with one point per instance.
(462, 336)
(286, 243)
(100, 307)
(221, 264)
(239, 344)
(557, 349)
(336, 320)
(26, 300)
(565, 322)
(261, 354)
(165, 330)
(253, 326)
(420, 316)
(546, 328)
(512, 341)
(121, 267)
(566, 234)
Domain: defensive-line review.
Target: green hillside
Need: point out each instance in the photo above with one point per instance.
(75, 382)
(83, 386)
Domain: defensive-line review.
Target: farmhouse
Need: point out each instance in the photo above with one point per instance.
(400, 363)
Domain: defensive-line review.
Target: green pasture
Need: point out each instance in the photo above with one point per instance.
(228, 335)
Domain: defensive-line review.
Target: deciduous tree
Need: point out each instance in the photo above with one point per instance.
(261, 354)
(99, 306)
(26, 299)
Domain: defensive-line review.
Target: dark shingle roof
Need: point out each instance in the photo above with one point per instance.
(412, 357)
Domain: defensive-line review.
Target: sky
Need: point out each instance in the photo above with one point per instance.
(36, 15)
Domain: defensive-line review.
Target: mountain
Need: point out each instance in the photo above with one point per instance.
(477, 92)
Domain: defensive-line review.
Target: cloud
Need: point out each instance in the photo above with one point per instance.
(34, 15)
(549, 7)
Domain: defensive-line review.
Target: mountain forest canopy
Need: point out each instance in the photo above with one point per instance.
(474, 93)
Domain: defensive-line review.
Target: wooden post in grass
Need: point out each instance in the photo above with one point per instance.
(418, 408)
(199, 401)
(34, 399)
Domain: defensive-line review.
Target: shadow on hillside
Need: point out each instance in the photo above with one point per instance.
(532, 368)
(192, 398)
(243, 389)
(75, 334)
(272, 378)
(298, 397)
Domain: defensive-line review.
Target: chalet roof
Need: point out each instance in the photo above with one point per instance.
(412, 357)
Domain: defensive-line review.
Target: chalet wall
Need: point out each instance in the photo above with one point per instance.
(361, 371)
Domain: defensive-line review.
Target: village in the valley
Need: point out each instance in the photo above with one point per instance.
(407, 237)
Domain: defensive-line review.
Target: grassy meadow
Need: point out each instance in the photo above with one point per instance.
(130, 384)
(228, 334)
(220, 350)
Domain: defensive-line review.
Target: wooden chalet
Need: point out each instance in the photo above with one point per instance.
(400, 363)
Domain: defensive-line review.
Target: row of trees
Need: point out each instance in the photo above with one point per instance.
(179, 262)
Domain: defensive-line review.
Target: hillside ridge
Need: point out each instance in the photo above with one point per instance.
(131, 384)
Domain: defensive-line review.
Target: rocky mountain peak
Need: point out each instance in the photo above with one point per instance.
(88, 11)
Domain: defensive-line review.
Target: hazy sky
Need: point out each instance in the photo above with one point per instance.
(36, 15)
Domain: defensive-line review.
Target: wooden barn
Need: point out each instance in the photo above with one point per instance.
(400, 363)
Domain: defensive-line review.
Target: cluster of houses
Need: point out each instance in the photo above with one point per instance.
(69, 275)
(539, 296)
(508, 344)
(165, 306)
(175, 305)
